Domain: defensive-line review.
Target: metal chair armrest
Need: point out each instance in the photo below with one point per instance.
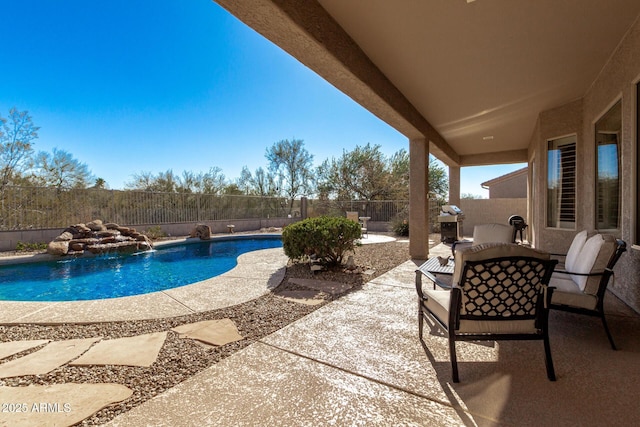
(596, 273)
(432, 278)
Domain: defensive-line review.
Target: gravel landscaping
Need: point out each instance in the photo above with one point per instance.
(181, 358)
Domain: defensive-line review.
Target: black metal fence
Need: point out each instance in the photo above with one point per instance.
(377, 210)
(24, 208)
(27, 208)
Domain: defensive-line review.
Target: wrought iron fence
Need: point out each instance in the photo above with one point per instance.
(23, 208)
(376, 210)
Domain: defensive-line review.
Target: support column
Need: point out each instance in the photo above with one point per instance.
(454, 185)
(418, 198)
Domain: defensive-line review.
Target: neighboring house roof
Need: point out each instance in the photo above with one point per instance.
(506, 177)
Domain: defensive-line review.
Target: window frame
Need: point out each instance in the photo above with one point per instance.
(557, 226)
(619, 139)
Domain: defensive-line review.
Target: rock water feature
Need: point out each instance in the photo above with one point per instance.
(98, 238)
(202, 231)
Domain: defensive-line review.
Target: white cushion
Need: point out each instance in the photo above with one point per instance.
(488, 233)
(566, 292)
(438, 302)
(574, 250)
(563, 283)
(586, 259)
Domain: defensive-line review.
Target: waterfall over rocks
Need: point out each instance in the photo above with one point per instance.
(98, 238)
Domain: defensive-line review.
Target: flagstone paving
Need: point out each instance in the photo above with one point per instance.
(47, 359)
(141, 350)
(14, 347)
(57, 404)
(67, 404)
(213, 332)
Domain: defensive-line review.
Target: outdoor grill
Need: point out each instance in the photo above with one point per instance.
(519, 225)
(450, 220)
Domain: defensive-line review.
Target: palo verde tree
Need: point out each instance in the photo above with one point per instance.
(261, 183)
(291, 164)
(438, 177)
(16, 136)
(163, 182)
(211, 182)
(61, 171)
(366, 174)
(359, 174)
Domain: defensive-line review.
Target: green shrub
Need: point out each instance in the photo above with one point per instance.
(400, 226)
(328, 238)
(30, 247)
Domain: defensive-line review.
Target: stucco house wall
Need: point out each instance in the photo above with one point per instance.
(486, 211)
(617, 81)
(510, 186)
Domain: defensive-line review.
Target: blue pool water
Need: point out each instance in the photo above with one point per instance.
(111, 276)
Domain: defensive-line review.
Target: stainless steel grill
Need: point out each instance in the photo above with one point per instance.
(450, 220)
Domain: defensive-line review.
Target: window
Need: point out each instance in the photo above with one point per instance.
(561, 183)
(608, 130)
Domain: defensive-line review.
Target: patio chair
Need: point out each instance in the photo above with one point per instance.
(487, 233)
(581, 282)
(353, 216)
(499, 292)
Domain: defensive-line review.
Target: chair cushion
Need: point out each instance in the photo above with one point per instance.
(567, 292)
(438, 303)
(606, 251)
(486, 233)
(574, 250)
(586, 260)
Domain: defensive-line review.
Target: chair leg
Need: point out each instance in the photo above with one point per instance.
(606, 329)
(420, 320)
(548, 361)
(454, 360)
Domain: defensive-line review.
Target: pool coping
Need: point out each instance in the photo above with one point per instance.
(257, 273)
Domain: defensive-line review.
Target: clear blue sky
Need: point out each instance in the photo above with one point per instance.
(133, 86)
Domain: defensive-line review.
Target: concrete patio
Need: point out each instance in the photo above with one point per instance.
(358, 361)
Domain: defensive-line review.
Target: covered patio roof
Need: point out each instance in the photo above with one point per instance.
(469, 76)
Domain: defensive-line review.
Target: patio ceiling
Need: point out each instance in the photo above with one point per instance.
(471, 76)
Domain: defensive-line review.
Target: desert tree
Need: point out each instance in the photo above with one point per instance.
(260, 183)
(100, 184)
(163, 182)
(438, 179)
(61, 170)
(363, 174)
(291, 164)
(16, 136)
(211, 182)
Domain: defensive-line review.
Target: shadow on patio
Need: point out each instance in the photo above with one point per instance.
(359, 361)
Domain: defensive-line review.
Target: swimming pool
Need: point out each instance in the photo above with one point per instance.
(112, 276)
